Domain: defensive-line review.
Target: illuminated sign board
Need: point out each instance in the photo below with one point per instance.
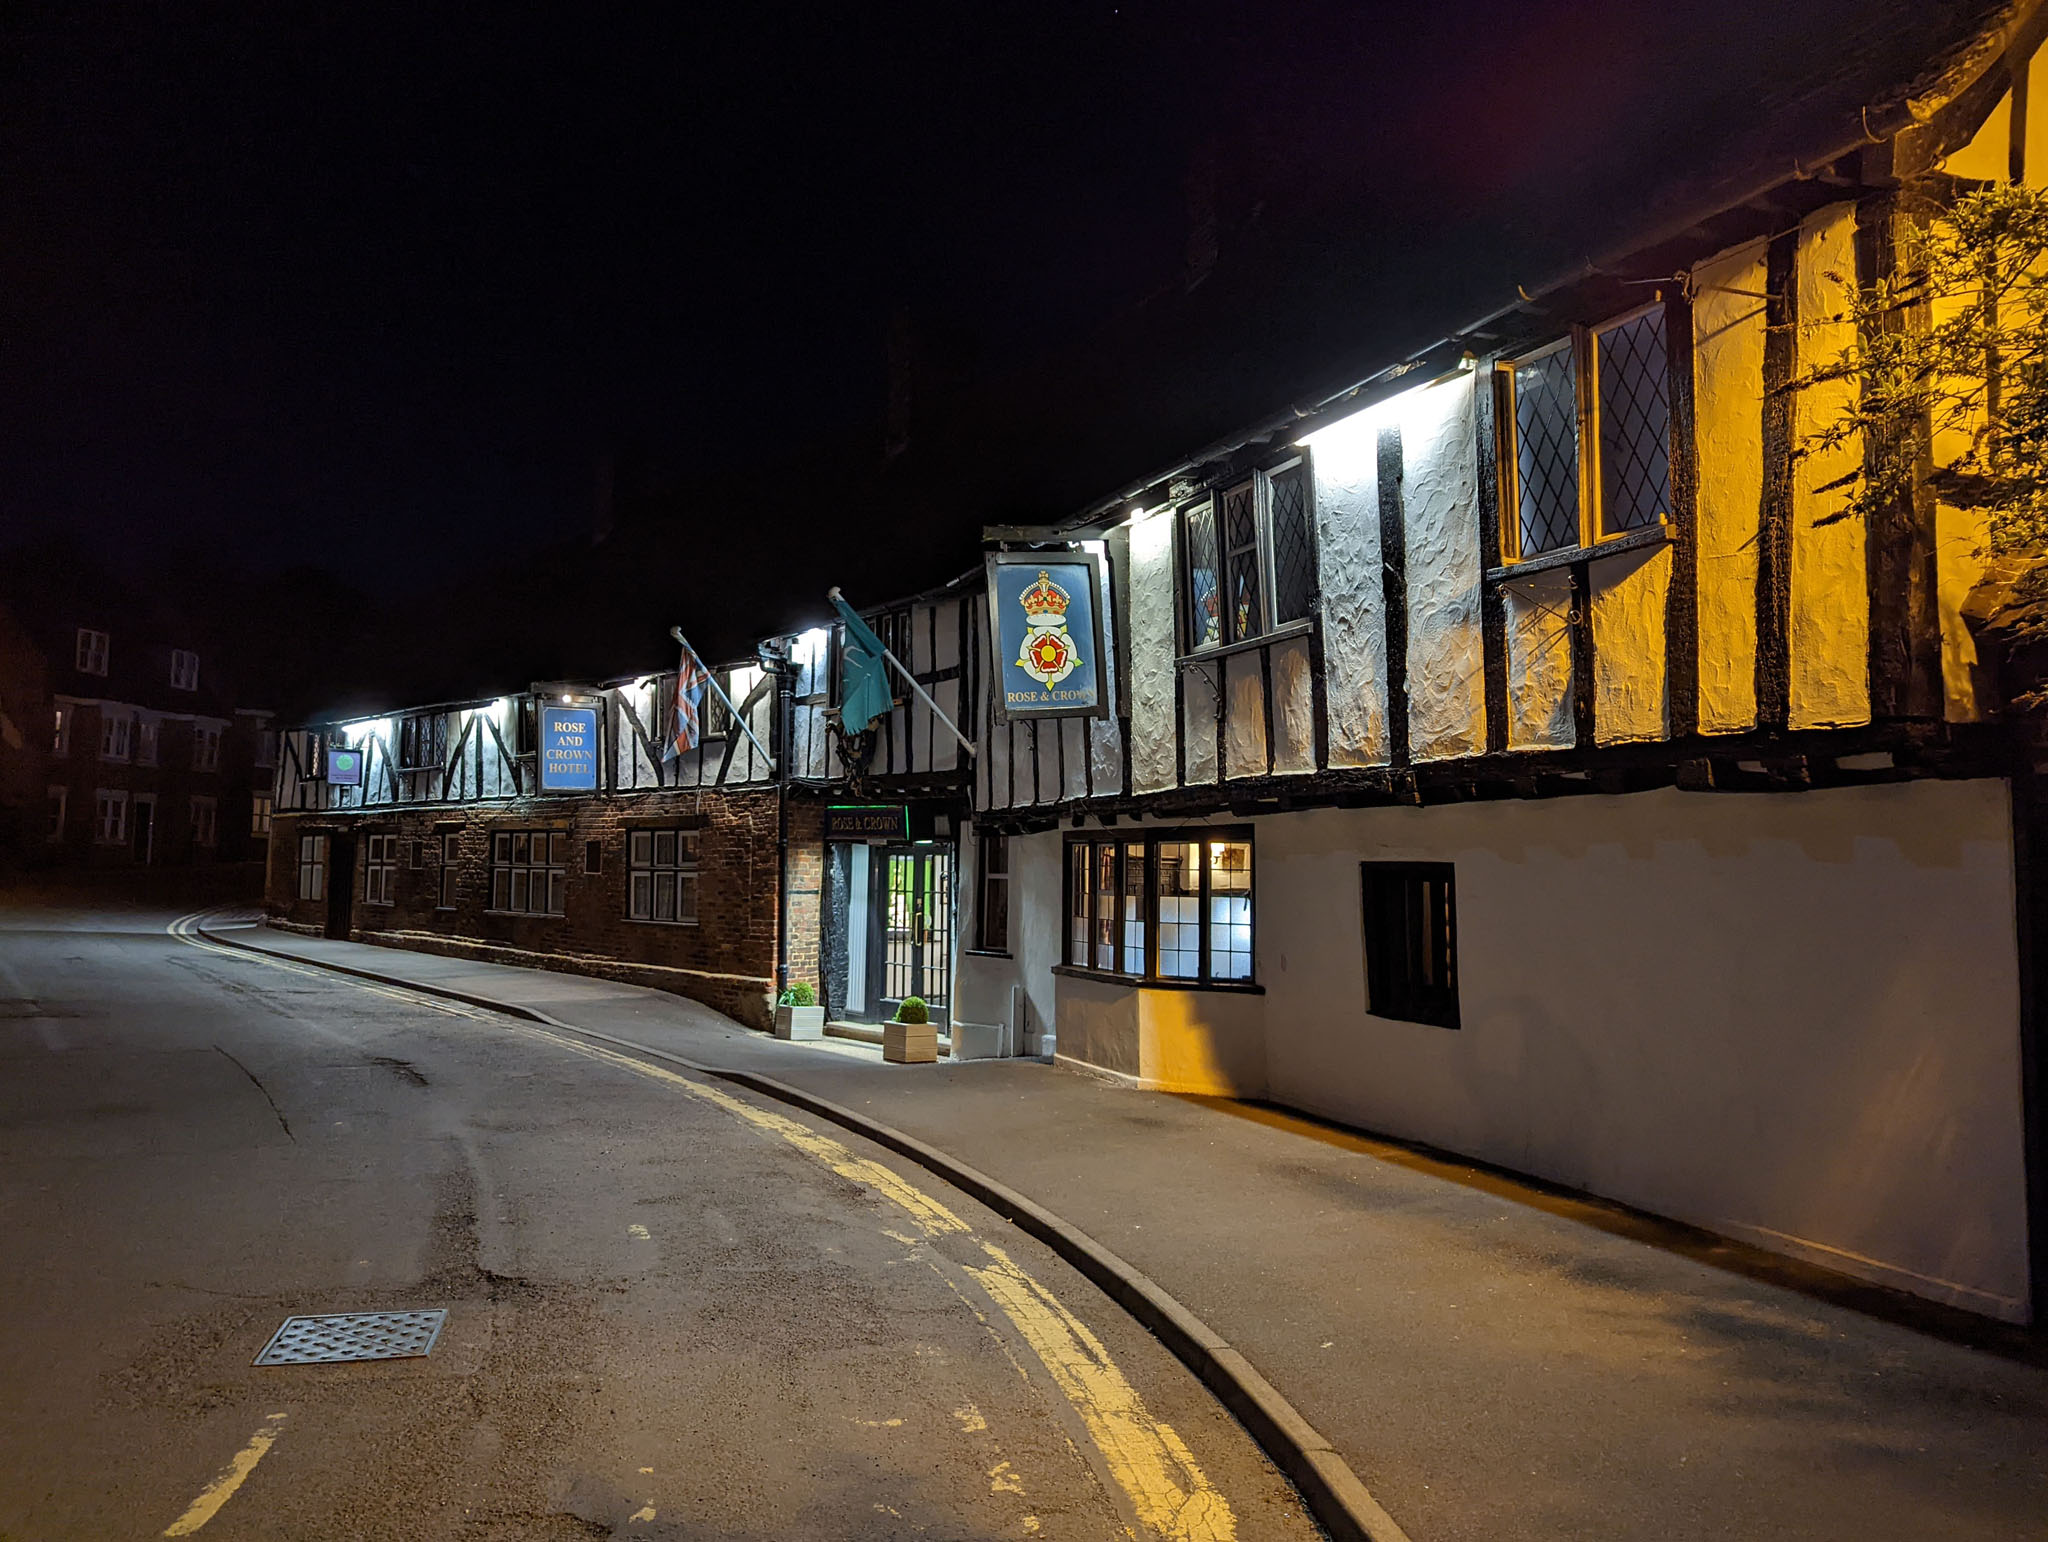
(845, 822)
(568, 749)
(344, 767)
(1045, 622)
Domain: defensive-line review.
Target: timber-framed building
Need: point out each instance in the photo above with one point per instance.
(1523, 749)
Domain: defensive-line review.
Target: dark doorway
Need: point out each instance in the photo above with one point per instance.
(145, 830)
(912, 934)
(341, 883)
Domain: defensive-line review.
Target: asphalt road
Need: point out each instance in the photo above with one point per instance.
(673, 1311)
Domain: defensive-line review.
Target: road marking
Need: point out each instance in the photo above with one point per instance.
(222, 1488)
(1003, 1479)
(1146, 1457)
(970, 1419)
(644, 1513)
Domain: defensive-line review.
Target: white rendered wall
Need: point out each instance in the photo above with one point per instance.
(1345, 458)
(1788, 1018)
(1151, 623)
(1538, 610)
(982, 982)
(1440, 502)
(1630, 699)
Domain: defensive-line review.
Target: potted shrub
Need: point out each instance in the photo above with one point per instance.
(798, 1015)
(909, 1038)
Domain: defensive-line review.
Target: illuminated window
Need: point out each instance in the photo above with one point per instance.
(1172, 907)
(661, 876)
(184, 670)
(1411, 941)
(92, 652)
(60, 736)
(380, 870)
(312, 867)
(529, 871)
(260, 814)
(1585, 438)
(1248, 560)
(205, 816)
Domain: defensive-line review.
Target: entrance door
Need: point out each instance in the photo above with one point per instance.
(341, 883)
(914, 937)
(145, 829)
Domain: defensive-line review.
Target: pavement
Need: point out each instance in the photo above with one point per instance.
(1492, 1359)
(675, 1311)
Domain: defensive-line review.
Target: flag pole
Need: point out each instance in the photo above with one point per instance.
(911, 680)
(711, 679)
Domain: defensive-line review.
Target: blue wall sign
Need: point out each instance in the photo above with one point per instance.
(1047, 634)
(568, 749)
(344, 767)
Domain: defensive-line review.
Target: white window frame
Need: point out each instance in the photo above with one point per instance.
(659, 858)
(1259, 483)
(205, 747)
(313, 853)
(60, 736)
(110, 816)
(205, 815)
(93, 648)
(61, 797)
(184, 670)
(450, 876)
(117, 730)
(148, 739)
(380, 869)
(261, 812)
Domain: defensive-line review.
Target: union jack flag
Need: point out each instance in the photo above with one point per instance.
(688, 707)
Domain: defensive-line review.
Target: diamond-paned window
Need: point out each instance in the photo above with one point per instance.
(1294, 558)
(1205, 596)
(1635, 424)
(1241, 545)
(1547, 452)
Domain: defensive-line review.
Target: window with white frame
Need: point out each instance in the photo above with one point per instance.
(259, 813)
(1585, 438)
(184, 670)
(451, 867)
(60, 735)
(1248, 560)
(59, 805)
(205, 812)
(148, 737)
(116, 734)
(661, 876)
(312, 867)
(92, 652)
(1172, 906)
(110, 816)
(380, 870)
(205, 747)
(529, 871)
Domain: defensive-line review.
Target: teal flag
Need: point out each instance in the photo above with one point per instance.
(864, 692)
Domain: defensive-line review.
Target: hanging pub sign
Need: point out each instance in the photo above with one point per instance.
(344, 767)
(1045, 624)
(568, 749)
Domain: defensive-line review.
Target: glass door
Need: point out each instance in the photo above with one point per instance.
(914, 905)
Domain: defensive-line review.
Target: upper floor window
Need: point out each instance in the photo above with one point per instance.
(1248, 558)
(205, 747)
(423, 742)
(184, 670)
(59, 805)
(60, 736)
(1585, 437)
(1166, 907)
(266, 747)
(92, 651)
(116, 731)
(148, 735)
(205, 812)
(259, 814)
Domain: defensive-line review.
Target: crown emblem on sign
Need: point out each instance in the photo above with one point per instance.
(1044, 598)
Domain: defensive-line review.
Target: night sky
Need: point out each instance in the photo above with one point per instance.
(379, 291)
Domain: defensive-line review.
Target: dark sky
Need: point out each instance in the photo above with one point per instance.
(333, 283)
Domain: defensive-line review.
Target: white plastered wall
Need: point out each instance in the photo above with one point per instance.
(1791, 1019)
(983, 981)
(1538, 615)
(1345, 457)
(1728, 375)
(1440, 504)
(1151, 673)
(1631, 699)
(1829, 628)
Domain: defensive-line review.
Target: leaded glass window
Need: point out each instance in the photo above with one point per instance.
(1547, 452)
(1294, 555)
(1635, 424)
(1204, 593)
(1249, 561)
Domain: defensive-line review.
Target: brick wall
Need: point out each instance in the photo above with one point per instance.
(726, 960)
(806, 885)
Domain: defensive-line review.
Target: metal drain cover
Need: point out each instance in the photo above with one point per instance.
(353, 1336)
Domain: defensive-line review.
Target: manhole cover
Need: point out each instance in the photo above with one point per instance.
(353, 1336)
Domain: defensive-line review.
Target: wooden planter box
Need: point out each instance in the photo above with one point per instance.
(910, 1043)
(799, 1022)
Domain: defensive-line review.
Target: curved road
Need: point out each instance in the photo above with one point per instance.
(673, 1311)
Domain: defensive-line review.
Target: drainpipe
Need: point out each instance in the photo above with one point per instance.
(778, 664)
